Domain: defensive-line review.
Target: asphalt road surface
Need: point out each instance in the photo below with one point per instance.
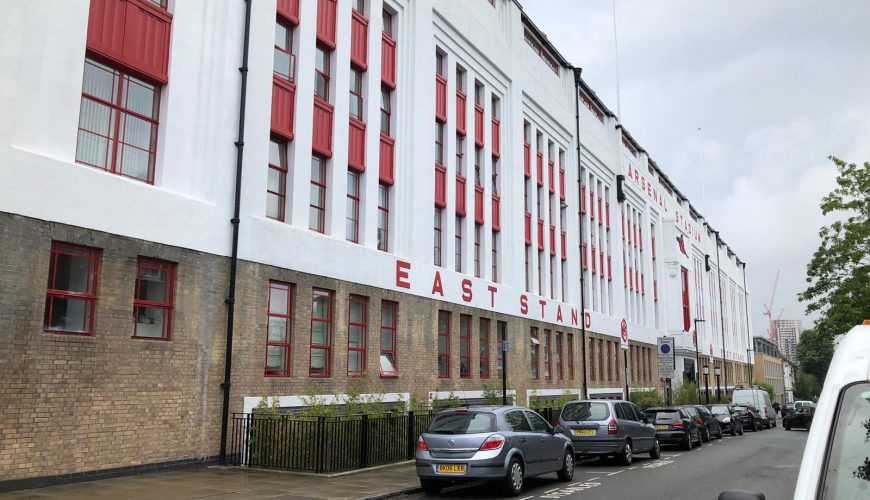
(766, 461)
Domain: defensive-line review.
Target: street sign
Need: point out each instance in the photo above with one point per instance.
(666, 357)
(623, 339)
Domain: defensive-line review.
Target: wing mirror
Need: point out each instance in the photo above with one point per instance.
(741, 495)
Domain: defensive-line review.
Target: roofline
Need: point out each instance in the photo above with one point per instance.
(542, 37)
(597, 100)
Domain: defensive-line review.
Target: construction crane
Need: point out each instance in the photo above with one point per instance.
(768, 309)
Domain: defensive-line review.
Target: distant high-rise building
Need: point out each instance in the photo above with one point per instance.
(787, 333)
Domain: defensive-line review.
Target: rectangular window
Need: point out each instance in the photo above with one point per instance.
(494, 257)
(357, 330)
(460, 155)
(71, 296)
(439, 64)
(118, 122)
(464, 346)
(437, 238)
(478, 166)
(494, 176)
(528, 269)
(320, 364)
(483, 342)
(552, 277)
(687, 320)
(540, 273)
(559, 363)
(534, 349)
(152, 304)
(280, 329)
(284, 64)
(386, 111)
(276, 187)
(502, 337)
(443, 344)
(548, 356)
(351, 232)
(477, 250)
(356, 93)
(359, 6)
(317, 204)
(388, 24)
(570, 342)
(322, 73)
(389, 322)
(383, 217)
(458, 245)
(439, 143)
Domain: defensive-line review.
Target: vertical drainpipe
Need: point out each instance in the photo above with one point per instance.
(577, 72)
(721, 315)
(748, 333)
(234, 259)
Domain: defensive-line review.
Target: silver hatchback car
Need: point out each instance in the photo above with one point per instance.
(498, 443)
(609, 428)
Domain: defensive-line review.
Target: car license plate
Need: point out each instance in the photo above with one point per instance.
(584, 432)
(451, 468)
(661, 427)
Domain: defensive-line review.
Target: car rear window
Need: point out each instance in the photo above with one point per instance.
(848, 470)
(663, 415)
(719, 410)
(463, 423)
(585, 411)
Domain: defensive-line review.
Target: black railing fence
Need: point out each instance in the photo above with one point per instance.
(330, 444)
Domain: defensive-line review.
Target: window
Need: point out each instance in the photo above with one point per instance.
(280, 329)
(494, 176)
(317, 205)
(517, 421)
(528, 269)
(439, 143)
(534, 352)
(548, 358)
(440, 64)
(570, 342)
(552, 277)
(386, 110)
(559, 367)
(322, 73)
(478, 93)
(320, 364)
(359, 6)
(494, 257)
(152, 304)
(687, 320)
(383, 217)
(458, 245)
(284, 60)
(538, 422)
(276, 187)
(460, 155)
(483, 341)
(356, 93)
(71, 297)
(351, 232)
(388, 24)
(464, 346)
(502, 337)
(437, 239)
(477, 250)
(118, 122)
(389, 321)
(356, 336)
(443, 344)
(478, 166)
(540, 273)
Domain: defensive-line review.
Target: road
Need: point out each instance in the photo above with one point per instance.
(766, 461)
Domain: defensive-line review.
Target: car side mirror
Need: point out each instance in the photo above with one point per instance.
(741, 495)
(555, 430)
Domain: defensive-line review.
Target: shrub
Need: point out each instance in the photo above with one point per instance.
(686, 394)
(647, 399)
(451, 401)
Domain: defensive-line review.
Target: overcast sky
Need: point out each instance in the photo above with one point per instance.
(774, 86)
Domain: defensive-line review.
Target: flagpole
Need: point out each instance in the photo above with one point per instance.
(616, 59)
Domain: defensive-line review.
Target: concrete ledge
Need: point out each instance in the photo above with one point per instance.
(314, 474)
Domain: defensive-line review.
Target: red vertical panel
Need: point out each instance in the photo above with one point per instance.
(600, 212)
(564, 246)
(496, 137)
(640, 237)
(655, 290)
(385, 172)
(540, 234)
(592, 204)
(686, 314)
(289, 9)
(460, 195)
(601, 260)
(540, 168)
(326, 22)
(496, 213)
(322, 128)
(527, 159)
(460, 112)
(359, 40)
(440, 186)
(146, 40)
(583, 198)
(642, 285)
(552, 239)
(478, 125)
(607, 214)
(440, 98)
(388, 61)
(356, 147)
(528, 228)
(106, 27)
(562, 183)
(584, 261)
(478, 204)
(283, 107)
(551, 165)
(594, 258)
(609, 270)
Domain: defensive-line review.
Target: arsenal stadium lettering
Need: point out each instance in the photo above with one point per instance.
(659, 199)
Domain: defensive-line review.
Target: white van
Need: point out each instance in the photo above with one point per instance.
(760, 399)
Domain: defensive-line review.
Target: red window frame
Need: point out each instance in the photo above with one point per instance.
(115, 134)
(324, 74)
(437, 238)
(460, 154)
(559, 361)
(319, 186)
(457, 251)
(464, 346)
(386, 110)
(478, 162)
(383, 217)
(326, 346)
(287, 318)
(278, 192)
(687, 319)
(351, 230)
(165, 305)
(356, 93)
(444, 354)
(89, 296)
(390, 331)
(534, 352)
(548, 351)
(477, 250)
(363, 341)
(483, 339)
(439, 143)
(286, 47)
(570, 341)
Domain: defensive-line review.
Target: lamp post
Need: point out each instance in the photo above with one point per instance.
(706, 384)
(717, 371)
(697, 359)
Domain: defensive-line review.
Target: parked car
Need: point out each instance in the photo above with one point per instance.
(709, 425)
(787, 409)
(504, 444)
(609, 428)
(674, 425)
(729, 419)
(802, 417)
(749, 416)
(758, 398)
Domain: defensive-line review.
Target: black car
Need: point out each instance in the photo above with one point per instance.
(674, 425)
(749, 415)
(787, 409)
(802, 417)
(728, 418)
(706, 421)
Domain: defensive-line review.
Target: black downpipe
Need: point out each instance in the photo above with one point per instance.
(234, 259)
(577, 72)
(721, 315)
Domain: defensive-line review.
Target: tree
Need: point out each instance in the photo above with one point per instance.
(807, 387)
(814, 352)
(771, 391)
(839, 272)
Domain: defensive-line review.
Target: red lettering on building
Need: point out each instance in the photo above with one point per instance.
(543, 306)
(588, 318)
(402, 269)
(574, 319)
(559, 313)
(466, 290)
(492, 292)
(524, 304)
(437, 287)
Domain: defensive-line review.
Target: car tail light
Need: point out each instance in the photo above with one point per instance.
(421, 445)
(699, 421)
(678, 425)
(611, 427)
(493, 442)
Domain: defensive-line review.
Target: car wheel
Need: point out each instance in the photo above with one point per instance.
(740, 431)
(429, 486)
(656, 450)
(786, 426)
(733, 430)
(687, 441)
(705, 436)
(719, 436)
(513, 482)
(809, 423)
(566, 473)
(626, 456)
